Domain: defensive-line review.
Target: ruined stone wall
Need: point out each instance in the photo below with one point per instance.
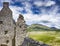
(30, 42)
(20, 30)
(6, 25)
(11, 33)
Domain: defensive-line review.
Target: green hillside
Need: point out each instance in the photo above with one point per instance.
(39, 27)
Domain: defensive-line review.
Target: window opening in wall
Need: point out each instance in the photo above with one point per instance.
(14, 28)
(23, 30)
(6, 32)
(20, 26)
(1, 22)
(7, 41)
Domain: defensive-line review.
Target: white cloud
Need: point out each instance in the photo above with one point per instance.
(31, 19)
(6, 0)
(39, 3)
(0, 8)
(49, 3)
(10, 1)
(44, 3)
(15, 11)
(28, 7)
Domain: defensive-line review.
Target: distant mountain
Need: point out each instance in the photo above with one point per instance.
(40, 27)
(53, 27)
(43, 21)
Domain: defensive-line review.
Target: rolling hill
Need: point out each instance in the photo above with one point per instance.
(40, 27)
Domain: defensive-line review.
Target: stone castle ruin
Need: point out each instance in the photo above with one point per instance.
(13, 33)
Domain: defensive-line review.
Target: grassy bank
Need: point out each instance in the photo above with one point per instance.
(48, 37)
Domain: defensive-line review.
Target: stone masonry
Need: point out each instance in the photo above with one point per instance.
(20, 30)
(11, 33)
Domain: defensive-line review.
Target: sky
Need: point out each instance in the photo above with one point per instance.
(46, 12)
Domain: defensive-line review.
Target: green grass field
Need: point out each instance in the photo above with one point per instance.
(48, 37)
